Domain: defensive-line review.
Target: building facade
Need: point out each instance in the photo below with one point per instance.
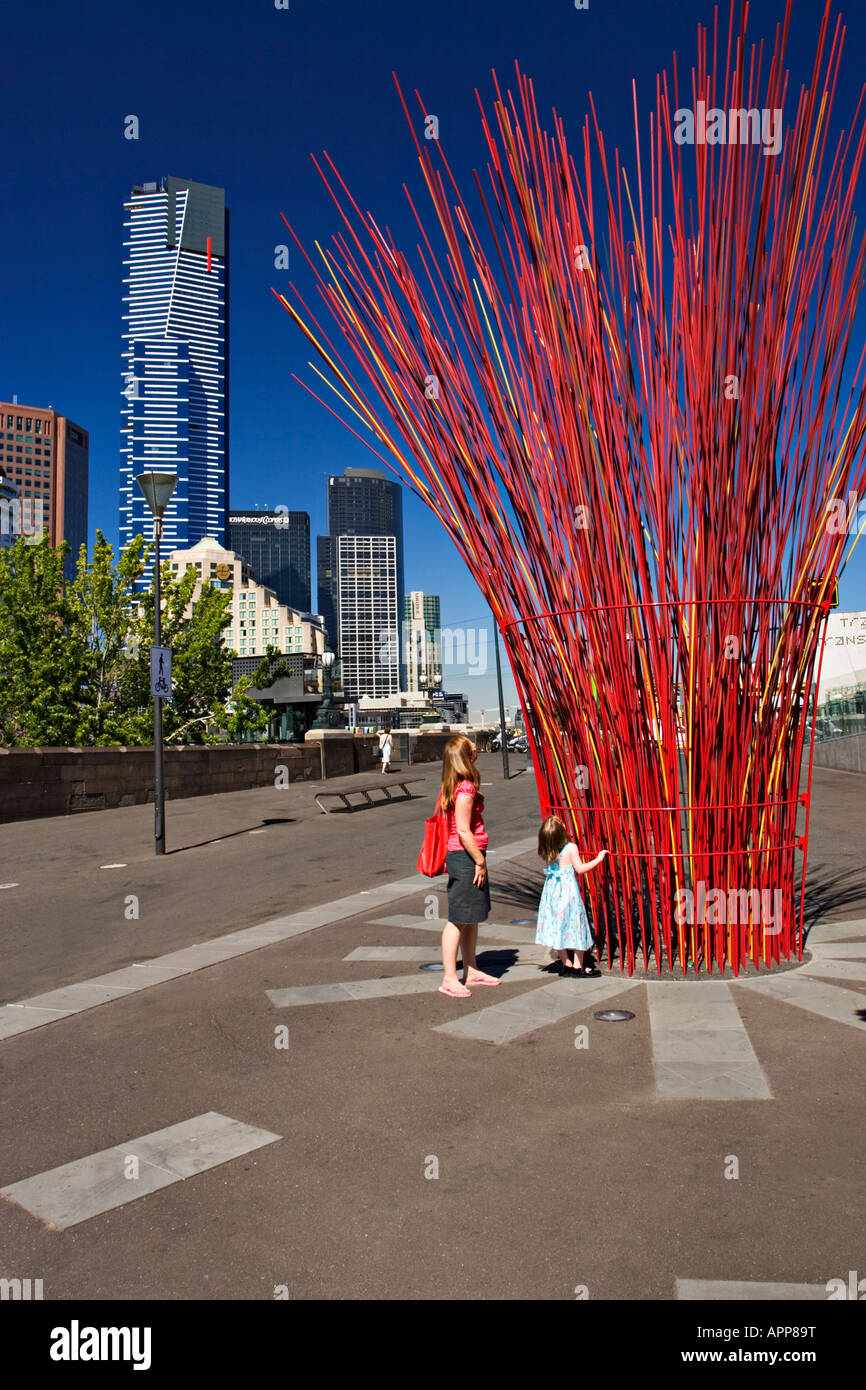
(46, 457)
(259, 620)
(175, 359)
(367, 598)
(277, 546)
(363, 502)
(10, 512)
(421, 643)
(408, 710)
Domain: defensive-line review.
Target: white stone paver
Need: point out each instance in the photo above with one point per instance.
(513, 1018)
(829, 1001)
(87, 1187)
(701, 1049)
(748, 1291)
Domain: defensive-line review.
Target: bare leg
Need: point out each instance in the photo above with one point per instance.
(471, 973)
(566, 962)
(450, 942)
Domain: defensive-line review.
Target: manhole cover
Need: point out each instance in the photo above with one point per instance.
(613, 1015)
(523, 922)
(431, 965)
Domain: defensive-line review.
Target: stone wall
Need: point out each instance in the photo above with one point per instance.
(62, 781)
(847, 753)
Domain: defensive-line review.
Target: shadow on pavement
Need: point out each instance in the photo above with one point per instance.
(200, 844)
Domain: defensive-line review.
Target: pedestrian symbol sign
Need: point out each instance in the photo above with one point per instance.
(160, 672)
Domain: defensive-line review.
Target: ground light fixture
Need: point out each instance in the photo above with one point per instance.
(157, 489)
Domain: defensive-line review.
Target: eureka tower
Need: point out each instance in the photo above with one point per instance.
(175, 414)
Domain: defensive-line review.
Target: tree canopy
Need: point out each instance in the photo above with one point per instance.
(75, 655)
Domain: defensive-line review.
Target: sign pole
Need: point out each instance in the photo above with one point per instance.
(505, 771)
(159, 771)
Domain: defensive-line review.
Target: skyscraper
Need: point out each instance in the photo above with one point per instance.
(367, 609)
(363, 502)
(277, 546)
(46, 457)
(175, 358)
(421, 641)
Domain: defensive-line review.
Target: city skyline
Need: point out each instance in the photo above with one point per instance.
(62, 338)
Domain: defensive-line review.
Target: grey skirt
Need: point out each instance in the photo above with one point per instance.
(467, 903)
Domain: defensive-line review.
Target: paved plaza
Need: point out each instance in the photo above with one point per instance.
(225, 1072)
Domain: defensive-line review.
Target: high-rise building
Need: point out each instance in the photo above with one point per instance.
(259, 620)
(277, 546)
(366, 610)
(364, 502)
(326, 578)
(46, 457)
(175, 413)
(421, 641)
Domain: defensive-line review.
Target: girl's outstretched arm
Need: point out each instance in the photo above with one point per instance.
(580, 866)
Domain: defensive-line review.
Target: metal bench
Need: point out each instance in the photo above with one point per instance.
(343, 793)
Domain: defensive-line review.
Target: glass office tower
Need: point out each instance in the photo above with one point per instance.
(175, 379)
(277, 547)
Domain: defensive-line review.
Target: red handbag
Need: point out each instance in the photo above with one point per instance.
(431, 860)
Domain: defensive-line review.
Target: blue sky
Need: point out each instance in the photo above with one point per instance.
(239, 93)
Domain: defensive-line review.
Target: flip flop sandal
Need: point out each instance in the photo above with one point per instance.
(453, 993)
(471, 983)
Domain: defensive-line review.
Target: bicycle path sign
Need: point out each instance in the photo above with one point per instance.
(160, 672)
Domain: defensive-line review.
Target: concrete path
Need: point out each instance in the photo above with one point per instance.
(387, 1121)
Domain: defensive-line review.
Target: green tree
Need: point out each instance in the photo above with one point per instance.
(75, 656)
(43, 678)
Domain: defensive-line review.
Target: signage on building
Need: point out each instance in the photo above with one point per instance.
(844, 660)
(223, 571)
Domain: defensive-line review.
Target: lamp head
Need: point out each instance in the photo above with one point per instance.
(157, 489)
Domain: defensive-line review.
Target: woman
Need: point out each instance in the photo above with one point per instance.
(385, 746)
(468, 888)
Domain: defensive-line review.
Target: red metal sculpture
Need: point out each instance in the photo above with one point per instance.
(628, 413)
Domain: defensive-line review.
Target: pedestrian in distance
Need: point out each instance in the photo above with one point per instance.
(562, 921)
(466, 863)
(385, 747)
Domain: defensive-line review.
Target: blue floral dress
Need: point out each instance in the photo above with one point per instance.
(562, 920)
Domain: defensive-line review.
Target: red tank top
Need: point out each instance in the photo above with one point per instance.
(476, 824)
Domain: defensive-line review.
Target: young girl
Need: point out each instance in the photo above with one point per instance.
(562, 919)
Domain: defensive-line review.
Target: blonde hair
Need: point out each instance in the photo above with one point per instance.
(457, 766)
(552, 838)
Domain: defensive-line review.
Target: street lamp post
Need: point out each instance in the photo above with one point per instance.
(322, 720)
(157, 489)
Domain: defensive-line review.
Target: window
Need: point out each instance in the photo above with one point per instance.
(47, 426)
(29, 424)
(18, 422)
(9, 420)
(38, 426)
